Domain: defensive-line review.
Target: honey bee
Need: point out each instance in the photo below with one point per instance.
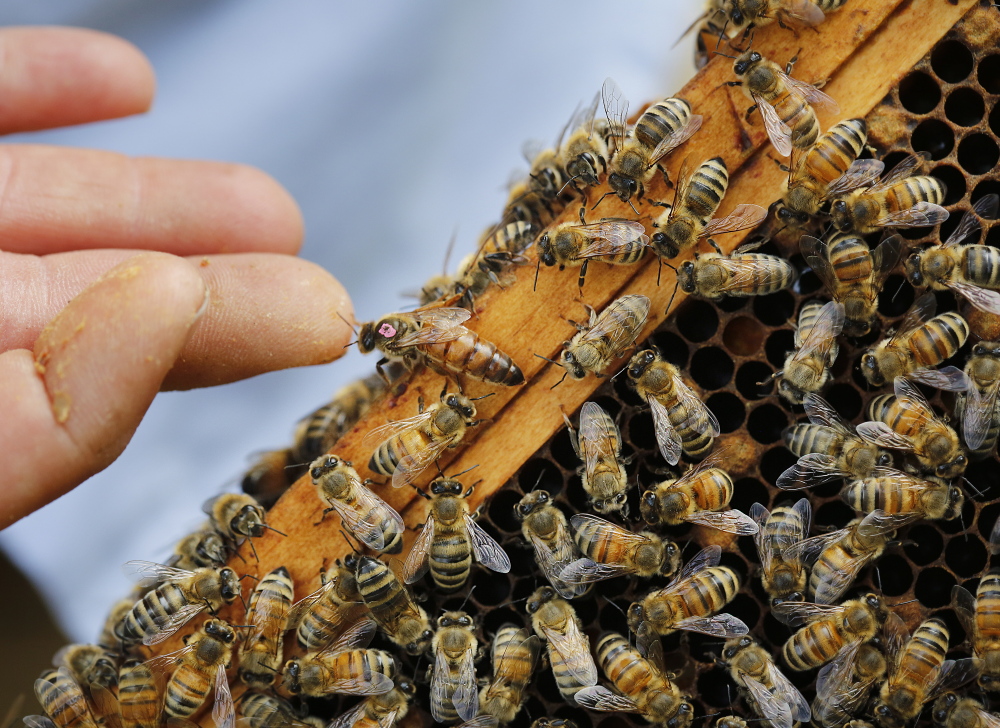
(951, 711)
(598, 343)
(807, 369)
(612, 240)
(968, 270)
(329, 609)
(369, 518)
(827, 168)
(89, 664)
(402, 619)
(500, 248)
(843, 685)
(203, 548)
(568, 648)
(920, 342)
(180, 596)
(639, 675)
(768, 691)
(827, 448)
(546, 176)
(978, 616)
(691, 600)
(681, 421)
(610, 551)
(435, 335)
(853, 274)
(979, 406)
(412, 444)
(449, 540)
(453, 679)
(599, 445)
(544, 527)
(584, 155)
(260, 653)
(514, 656)
(269, 476)
(268, 711)
(379, 711)
(138, 697)
(906, 421)
(697, 198)
(825, 631)
(63, 701)
(526, 204)
(745, 15)
(345, 667)
(840, 555)
(896, 492)
(201, 666)
(108, 638)
(896, 200)
(785, 104)
(698, 496)
(237, 516)
(637, 150)
(918, 673)
(741, 273)
(783, 576)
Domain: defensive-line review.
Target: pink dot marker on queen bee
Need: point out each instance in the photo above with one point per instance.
(387, 330)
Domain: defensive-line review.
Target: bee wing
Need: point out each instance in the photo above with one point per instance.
(620, 333)
(416, 563)
(995, 538)
(531, 149)
(824, 332)
(783, 688)
(506, 670)
(777, 130)
(263, 613)
(981, 298)
(598, 697)
(731, 521)
(861, 173)
(978, 414)
(465, 697)
(884, 259)
(365, 518)
(809, 548)
(481, 721)
(38, 721)
(442, 317)
(357, 637)
(743, 217)
(724, 626)
(964, 605)
(839, 581)
(431, 334)
(704, 559)
(953, 673)
(745, 273)
(764, 544)
(667, 438)
(905, 168)
(674, 140)
(969, 224)
(374, 684)
(584, 116)
(485, 548)
(879, 433)
(149, 573)
(223, 711)
(349, 718)
(921, 214)
(301, 607)
(820, 412)
(552, 569)
(162, 663)
(587, 571)
(814, 253)
(106, 705)
(596, 436)
(803, 11)
(987, 720)
(616, 109)
(796, 614)
(383, 432)
(700, 418)
(411, 466)
(835, 694)
(878, 523)
(811, 469)
(573, 647)
(609, 237)
(775, 709)
(173, 623)
(894, 636)
(607, 530)
(810, 93)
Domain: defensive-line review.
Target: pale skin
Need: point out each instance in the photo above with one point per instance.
(121, 277)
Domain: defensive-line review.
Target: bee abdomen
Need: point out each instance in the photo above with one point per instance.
(63, 700)
(151, 612)
(477, 358)
(186, 692)
(850, 258)
(828, 6)
(769, 274)
(981, 265)
(660, 120)
(388, 455)
(812, 646)
(939, 338)
(710, 590)
(804, 439)
(450, 562)
(706, 188)
(838, 148)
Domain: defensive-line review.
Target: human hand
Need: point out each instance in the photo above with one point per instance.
(121, 277)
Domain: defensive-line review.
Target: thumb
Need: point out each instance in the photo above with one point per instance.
(70, 408)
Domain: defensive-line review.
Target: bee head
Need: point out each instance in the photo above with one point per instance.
(545, 251)
(624, 187)
(788, 216)
(648, 508)
(636, 615)
(871, 369)
(366, 337)
(249, 521)
(420, 645)
(839, 215)
(683, 717)
(531, 501)
(989, 683)
(230, 585)
(664, 246)
(290, 680)
(611, 505)
(444, 486)
(746, 61)
(540, 597)
(943, 706)
(913, 273)
(793, 597)
(640, 363)
(685, 276)
(406, 687)
(323, 465)
(884, 459)
(571, 365)
(955, 500)
(220, 630)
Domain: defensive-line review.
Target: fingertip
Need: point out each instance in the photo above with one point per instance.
(267, 217)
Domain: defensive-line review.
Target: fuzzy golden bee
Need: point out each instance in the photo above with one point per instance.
(180, 596)
(205, 547)
(637, 150)
(345, 667)
(369, 518)
(411, 445)
(379, 711)
(967, 270)
(329, 610)
(568, 648)
(771, 695)
(269, 711)
(514, 657)
(237, 516)
(453, 675)
(853, 274)
(741, 273)
(743, 16)
(978, 407)
(922, 341)
(610, 551)
(681, 421)
(783, 575)
(401, 619)
(824, 631)
(599, 445)
(544, 527)
(584, 154)
(89, 664)
(896, 492)
(612, 240)
(201, 668)
(785, 104)
(844, 684)
(953, 711)
(691, 601)
(980, 616)
(435, 335)
(261, 651)
(696, 200)
(63, 701)
(898, 199)
(450, 539)
(605, 337)
(807, 368)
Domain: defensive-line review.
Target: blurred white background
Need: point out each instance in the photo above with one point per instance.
(393, 124)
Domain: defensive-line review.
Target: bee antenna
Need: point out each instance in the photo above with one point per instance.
(538, 482)
(609, 192)
(244, 602)
(253, 549)
(354, 327)
(559, 382)
(677, 284)
(899, 604)
(350, 542)
(420, 492)
(613, 604)
(538, 265)
(551, 361)
(514, 601)
(272, 528)
(568, 183)
(460, 606)
(973, 488)
(476, 399)
(722, 33)
(878, 579)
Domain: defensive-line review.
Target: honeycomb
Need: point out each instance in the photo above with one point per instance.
(948, 105)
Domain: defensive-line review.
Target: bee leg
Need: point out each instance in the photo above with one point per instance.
(716, 246)
(791, 63)
(746, 116)
(323, 517)
(583, 274)
(382, 372)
